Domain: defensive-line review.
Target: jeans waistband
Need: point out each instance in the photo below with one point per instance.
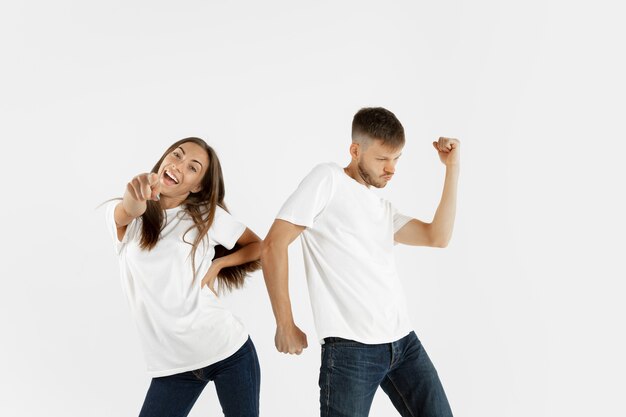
(337, 339)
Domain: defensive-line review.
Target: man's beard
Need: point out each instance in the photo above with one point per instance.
(369, 179)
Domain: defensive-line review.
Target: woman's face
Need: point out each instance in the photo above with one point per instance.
(182, 170)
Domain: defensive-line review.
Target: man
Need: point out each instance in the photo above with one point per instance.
(348, 234)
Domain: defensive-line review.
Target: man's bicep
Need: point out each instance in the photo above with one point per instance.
(414, 233)
(283, 232)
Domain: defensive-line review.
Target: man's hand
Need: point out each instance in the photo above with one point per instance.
(290, 339)
(449, 151)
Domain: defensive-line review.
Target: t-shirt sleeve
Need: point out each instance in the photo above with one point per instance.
(310, 198)
(131, 228)
(226, 230)
(399, 219)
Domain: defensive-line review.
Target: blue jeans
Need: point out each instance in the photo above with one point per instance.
(352, 371)
(237, 382)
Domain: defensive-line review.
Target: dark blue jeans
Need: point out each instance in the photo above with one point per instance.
(237, 382)
(352, 371)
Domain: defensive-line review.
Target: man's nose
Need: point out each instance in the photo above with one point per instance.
(390, 167)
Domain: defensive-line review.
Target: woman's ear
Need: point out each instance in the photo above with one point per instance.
(196, 188)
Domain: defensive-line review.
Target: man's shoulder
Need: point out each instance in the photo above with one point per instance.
(326, 167)
(323, 171)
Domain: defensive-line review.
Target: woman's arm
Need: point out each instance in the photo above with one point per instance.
(249, 251)
(141, 188)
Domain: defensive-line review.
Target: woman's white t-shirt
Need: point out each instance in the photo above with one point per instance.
(350, 267)
(181, 326)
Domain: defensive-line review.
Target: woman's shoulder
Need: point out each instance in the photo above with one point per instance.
(219, 215)
(221, 212)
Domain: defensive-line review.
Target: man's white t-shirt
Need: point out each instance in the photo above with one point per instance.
(182, 327)
(348, 244)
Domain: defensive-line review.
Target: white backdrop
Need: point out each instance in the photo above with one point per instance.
(522, 314)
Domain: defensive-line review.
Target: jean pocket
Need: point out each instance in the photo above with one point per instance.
(341, 342)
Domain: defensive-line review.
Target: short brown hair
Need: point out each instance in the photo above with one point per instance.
(378, 123)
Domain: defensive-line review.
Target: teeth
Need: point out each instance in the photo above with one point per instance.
(171, 176)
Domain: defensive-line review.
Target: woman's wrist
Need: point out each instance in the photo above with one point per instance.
(133, 209)
(218, 263)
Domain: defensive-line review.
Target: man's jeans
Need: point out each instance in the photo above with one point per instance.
(352, 371)
(237, 381)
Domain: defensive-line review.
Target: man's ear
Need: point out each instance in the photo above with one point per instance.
(355, 150)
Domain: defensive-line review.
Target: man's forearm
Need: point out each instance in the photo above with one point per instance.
(275, 272)
(443, 221)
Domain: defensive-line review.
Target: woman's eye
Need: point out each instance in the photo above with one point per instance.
(176, 154)
(193, 168)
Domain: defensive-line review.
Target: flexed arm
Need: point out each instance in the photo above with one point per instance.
(439, 232)
(274, 260)
(249, 250)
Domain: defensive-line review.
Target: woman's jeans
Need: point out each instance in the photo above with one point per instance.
(237, 381)
(352, 371)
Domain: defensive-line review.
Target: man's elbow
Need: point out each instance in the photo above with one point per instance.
(437, 238)
(268, 248)
(440, 241)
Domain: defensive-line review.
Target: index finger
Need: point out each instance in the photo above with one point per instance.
(154, 178)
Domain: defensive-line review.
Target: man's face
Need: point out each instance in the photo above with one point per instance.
(377, 163)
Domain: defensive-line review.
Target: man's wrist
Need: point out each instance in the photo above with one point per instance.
(285, 323)
(453, 167)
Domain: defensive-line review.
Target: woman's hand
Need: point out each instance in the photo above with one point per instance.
(211, 276)
(141, 188)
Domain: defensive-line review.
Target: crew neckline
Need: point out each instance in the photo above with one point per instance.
(348, 177)
(173, 209)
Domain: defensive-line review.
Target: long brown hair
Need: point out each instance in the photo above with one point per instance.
(201, 207)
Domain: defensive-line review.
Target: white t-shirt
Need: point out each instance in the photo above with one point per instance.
(348, 244)
(181, 326)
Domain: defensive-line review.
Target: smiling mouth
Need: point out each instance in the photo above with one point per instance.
(171, 176)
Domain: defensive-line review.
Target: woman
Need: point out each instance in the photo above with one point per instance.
(166, 229)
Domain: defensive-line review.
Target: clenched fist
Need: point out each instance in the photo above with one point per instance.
(449, 150)
(290, 339)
